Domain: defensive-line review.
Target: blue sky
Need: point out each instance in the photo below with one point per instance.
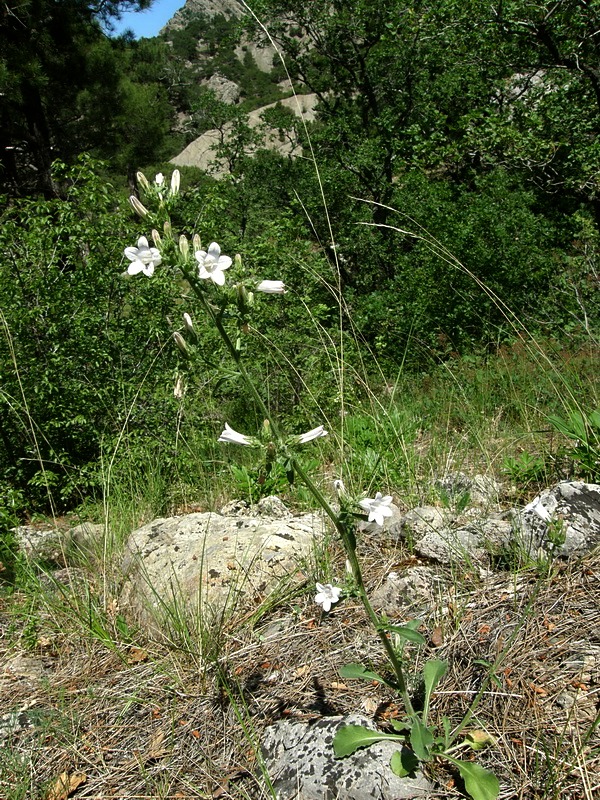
(148, 23)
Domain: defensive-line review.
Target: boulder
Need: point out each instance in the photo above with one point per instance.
(226, 91)
(562, 521)
(301, 764)
(205, 563)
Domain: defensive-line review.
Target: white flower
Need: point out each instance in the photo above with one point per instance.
(271, 287)
(143, 258)
(377, 507)
(159, 179)
(233, 437)
(316, 433)
(538, 509)
(175, 181)
(212, 264)
(339, 487)
(327, 595)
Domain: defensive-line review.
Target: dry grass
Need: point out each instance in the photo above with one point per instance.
(141, 721)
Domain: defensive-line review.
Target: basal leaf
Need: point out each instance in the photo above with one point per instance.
(480, 783)
(404, 762)
(351, 737)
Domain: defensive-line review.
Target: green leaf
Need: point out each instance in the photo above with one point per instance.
(421, 739)
(433, 671)
(480, 783)
(400, 725)
(404, 762)
(351, 737)
(358, 671)
(406, 633)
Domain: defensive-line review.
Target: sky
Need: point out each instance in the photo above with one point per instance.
(148, 23)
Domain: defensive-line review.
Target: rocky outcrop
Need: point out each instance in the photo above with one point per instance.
(205, 8)
(201, 152)
(206, 563)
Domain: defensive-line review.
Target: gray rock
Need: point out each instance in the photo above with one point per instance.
(419, 588)
(571, 510)
(482, 489)
(301, 764)
(419, 521)
(226, 91)
(208, 562)
(42, 544)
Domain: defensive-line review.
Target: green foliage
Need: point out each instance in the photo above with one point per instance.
(584, 430)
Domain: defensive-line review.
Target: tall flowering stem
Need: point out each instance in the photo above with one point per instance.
(344, 523)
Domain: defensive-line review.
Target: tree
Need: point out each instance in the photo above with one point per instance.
(53, 54)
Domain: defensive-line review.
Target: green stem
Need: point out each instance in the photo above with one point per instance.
(346, 537)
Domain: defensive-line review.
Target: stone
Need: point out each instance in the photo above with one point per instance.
(226, 91)
(209, 562)
(42, 544)
(421, 520)
(419, 588)
(482, 490)
(571, 509)
(301, 764)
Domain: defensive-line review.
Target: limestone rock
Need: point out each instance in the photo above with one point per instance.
(421, 520)
(570, 509)
(482, 490)
(419, 589)
(301, 764)
(226, 91)
(208, 561)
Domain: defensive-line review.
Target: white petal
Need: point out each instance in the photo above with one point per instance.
(214, 251)
(142, 242)
(218, 277)
(135, 267)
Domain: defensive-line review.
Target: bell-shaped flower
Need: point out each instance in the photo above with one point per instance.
(271, 287)
(212, 264)
(229, 436)
(143, 258)
(327, 595)
(538, 509)
(316, 433)
(159, 179)
(377, 508)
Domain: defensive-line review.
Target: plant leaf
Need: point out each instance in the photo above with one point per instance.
(433, 671)
(358, 671)
(351, 737)
(421, 739)
(407, 633)
(404, 762)
(480, 783)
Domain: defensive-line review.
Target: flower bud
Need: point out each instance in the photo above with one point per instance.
(181, 344)
(237, 260)
(271, 287)
(156, 237)
(167, 229)
(175, 181)
(187, 321)
(184, 246)
(179, 388)
(138, 207)
(142, 180)
(196, 243)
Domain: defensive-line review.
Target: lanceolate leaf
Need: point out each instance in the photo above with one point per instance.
(351, 737)
(433, 671)
(421, 739)
(406, 633)
(358, 671)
